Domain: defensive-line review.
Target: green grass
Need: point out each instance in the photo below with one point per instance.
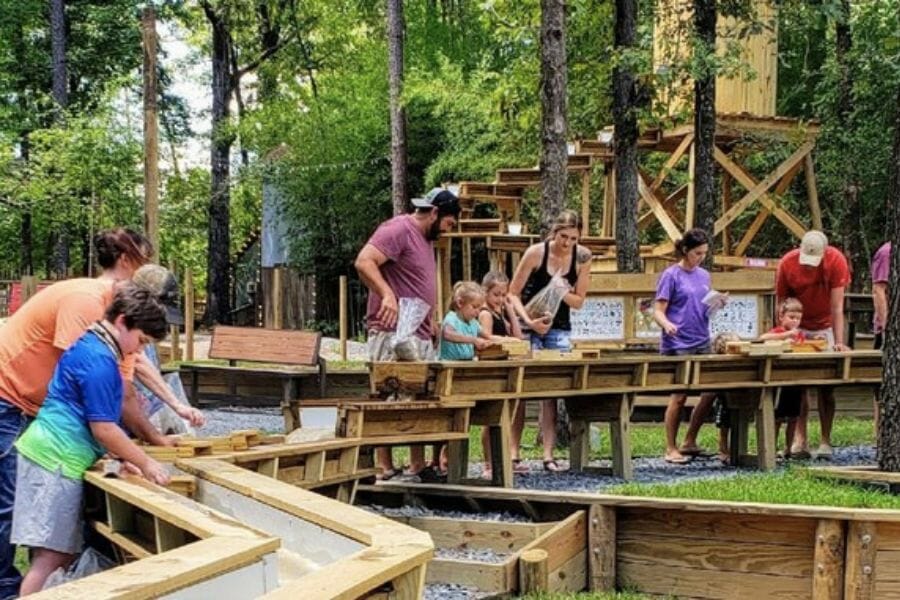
(794, 485)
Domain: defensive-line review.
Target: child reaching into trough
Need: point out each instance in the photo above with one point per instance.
(77, 424)
(461, 333)
(790, 399)
(498, 316)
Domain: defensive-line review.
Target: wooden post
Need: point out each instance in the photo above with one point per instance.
(859, 574)
(410, 585)
(689, 203)
(812, 192)
(828, 562)
(620, 434)
(765, 429)
(342, 315)
(277, 298)
(726, 204)
(609, 202)
(602, 548)
(151, 131)
(534, 575)
(29, 287)
(586, 203)
(467, 259)
(188, 315)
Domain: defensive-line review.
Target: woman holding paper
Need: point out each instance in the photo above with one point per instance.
(684, 300)
(558, 261)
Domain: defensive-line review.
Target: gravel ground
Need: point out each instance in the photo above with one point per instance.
(221, 421)
(646, 469)
(485, 555)
(420, 511)
(451, 591)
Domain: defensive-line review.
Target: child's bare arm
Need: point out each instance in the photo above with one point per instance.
(783, 335)
(451, 335)
(111, 437)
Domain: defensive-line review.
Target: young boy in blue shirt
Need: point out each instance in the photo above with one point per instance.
(77, 424)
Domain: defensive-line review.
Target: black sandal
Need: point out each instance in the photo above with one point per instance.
(556, 468)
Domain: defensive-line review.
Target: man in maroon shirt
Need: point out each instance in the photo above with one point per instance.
(816, 274)
(398, 262)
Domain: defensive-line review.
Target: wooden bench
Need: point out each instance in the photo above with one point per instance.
(291, 356)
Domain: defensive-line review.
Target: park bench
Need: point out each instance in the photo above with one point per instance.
(289, 356)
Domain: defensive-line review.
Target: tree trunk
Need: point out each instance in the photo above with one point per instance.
(628, 252)
(554, 152)
(395, 32)
(25, 225)
(851, 221)
(705, 205)
(58, 53)
(151, 131)
(60, 94)
(889, 399)
(218, 298)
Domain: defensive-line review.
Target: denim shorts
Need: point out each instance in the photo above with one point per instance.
(704, 349)
(555, 339)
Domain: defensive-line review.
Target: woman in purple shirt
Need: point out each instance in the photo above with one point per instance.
(681, 313)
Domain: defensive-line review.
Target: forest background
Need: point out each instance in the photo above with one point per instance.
(307, 111)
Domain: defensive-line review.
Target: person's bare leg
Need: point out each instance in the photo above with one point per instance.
(43, 562)
(548, 427)
(416, 458)
(697, 416)
(672, 421)
(789, 432)
(826, 416)
(515, 434)
(723, 453)
(801, 441)
(486, 450)
(384, 460)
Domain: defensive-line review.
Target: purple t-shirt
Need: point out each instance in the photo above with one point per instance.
(881, 273)
(410, 269)
(684, 291)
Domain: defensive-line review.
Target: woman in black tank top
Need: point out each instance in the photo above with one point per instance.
(560, 253)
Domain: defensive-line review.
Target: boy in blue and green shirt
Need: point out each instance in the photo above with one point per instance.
(77, 424)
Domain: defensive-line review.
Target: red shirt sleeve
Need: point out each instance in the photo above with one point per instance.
(837, 270)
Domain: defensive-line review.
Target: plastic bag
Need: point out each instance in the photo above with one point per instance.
(410, 314)
(89, 562)
(546, 302)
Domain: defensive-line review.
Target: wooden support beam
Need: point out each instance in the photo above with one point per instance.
(620, 437)
(609, 202)
(669, 204)
(691, 204)
(765, 429)
(586, 203)
(859, 574)
(812, 191)
(656, 206)
(726, 204)
(534, 576)
(759, 191)
(673, 160)
(828, 561)
(602, 548)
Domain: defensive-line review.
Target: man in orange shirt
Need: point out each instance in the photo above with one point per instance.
(32, 342)
(816, 274)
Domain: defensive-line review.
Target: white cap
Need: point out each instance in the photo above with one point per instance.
(812, 248)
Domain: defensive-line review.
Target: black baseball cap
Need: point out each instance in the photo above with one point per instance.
(443, 200)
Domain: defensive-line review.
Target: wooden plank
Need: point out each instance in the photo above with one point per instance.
(293, 347)
(828, 575)
(495, 578)
(566, 539)
(601, 548)
(470, 534)
(121, 540)
(620, 434)
(571, 576)
(765, 430)
(650, 578)
(860, 574)
(661, 215)
(672, 161)
(717, 555)
(166, 573)
(812, 192)
(409, 585)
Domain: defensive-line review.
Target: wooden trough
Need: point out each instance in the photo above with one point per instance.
(701, 549)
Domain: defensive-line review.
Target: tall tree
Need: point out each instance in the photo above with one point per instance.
(628, 259)
(395, 32)
(60, 93)
(705, 208)
(227, 73)
(889, 400)
(851, 221)
(554, 81)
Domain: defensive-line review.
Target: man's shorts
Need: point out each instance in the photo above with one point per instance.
(380, 347)
(789, 401)
(47, 513)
